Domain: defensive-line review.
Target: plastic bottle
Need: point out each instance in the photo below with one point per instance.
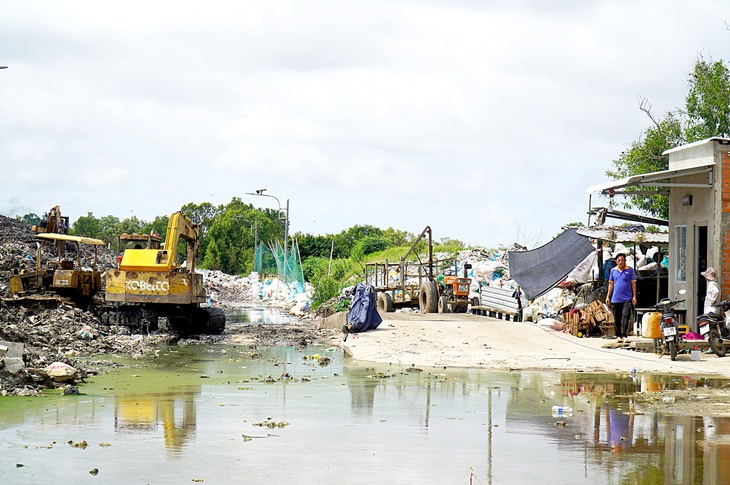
(562, 411)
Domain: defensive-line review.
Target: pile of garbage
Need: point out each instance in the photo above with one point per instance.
(47, 336)
(231, 290)
(51, 338)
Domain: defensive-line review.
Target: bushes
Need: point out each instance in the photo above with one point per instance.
(369, 245)
(328, 279)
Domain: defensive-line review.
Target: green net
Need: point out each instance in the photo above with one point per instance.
(274, 260)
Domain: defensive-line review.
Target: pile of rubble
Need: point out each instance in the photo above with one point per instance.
(49, 337)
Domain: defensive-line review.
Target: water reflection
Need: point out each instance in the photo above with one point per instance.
(388, 424)
(174, 412)
(606, 430)
(247, 314)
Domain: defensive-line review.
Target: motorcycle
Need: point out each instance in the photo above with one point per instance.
(712, 326)
(671, 341)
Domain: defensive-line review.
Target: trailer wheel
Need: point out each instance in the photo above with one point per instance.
(385, 303)
(443, 305)
(428, 297)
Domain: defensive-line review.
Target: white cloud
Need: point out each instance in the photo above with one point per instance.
(484, 120)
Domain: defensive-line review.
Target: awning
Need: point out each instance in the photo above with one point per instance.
(539, 270)
(655, 179)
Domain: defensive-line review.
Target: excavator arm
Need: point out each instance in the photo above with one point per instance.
(165, 259)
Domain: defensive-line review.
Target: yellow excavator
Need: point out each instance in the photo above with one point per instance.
(54, 222)
(152, 282)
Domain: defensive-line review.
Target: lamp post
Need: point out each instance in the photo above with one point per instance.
(254, 230)
(260, 192)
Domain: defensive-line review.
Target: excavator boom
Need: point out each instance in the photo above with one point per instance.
(165, 259)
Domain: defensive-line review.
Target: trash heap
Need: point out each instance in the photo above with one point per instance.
(47, 336)
(231, 290)
(49, 339)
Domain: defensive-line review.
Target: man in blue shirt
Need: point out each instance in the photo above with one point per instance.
(621, 295)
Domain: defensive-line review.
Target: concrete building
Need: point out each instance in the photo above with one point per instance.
(698, 183)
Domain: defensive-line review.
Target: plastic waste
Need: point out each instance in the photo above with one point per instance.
(560, 411)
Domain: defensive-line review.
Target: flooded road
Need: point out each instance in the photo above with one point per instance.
(219, 414)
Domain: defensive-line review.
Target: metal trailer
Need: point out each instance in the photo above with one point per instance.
(415, 283)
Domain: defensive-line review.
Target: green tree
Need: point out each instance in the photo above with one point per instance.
(398, 238)
(109, 229)
(347, 239)
(233, 234)
(706, 114)
(204, 215)
(646, 155)
(130, 225)
(159, 225)
(316, 246)
(31, 219)
(708, 101)
(88, 226)
(369, 245)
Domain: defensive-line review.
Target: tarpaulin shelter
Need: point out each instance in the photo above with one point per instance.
(540, 269)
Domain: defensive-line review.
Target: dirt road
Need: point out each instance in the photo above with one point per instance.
(452, 340)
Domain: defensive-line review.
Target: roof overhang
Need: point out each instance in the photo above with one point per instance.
(655, 179)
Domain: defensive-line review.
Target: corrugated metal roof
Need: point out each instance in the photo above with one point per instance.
(608, 233)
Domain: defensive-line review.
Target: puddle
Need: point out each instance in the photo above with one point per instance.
(246, 314)
(214, 413)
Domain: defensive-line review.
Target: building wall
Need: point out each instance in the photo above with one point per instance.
(723, 236)
(711, 208)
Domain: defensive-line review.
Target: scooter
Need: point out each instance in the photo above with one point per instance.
(671, 342)
(712, 326)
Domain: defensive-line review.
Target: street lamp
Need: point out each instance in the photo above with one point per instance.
(286, 216)
(254, 230)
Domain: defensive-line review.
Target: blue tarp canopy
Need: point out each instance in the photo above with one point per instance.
(539, 270)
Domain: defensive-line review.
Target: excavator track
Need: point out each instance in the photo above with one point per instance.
(209, 320)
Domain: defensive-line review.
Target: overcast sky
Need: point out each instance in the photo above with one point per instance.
(486, 120)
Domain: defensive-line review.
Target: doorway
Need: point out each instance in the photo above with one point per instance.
(700, 244)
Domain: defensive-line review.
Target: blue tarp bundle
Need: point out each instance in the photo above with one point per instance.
(363, 314)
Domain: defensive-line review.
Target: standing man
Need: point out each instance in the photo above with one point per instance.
(621, 295)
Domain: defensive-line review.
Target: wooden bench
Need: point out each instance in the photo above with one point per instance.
(498, 303)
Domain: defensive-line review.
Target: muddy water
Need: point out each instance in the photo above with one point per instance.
(200, 414)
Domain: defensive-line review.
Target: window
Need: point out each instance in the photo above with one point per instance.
(681, 254)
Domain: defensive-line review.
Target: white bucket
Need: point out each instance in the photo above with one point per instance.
(695, 354)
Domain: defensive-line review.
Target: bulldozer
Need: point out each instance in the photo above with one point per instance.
(62, 280)
(152, 282)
